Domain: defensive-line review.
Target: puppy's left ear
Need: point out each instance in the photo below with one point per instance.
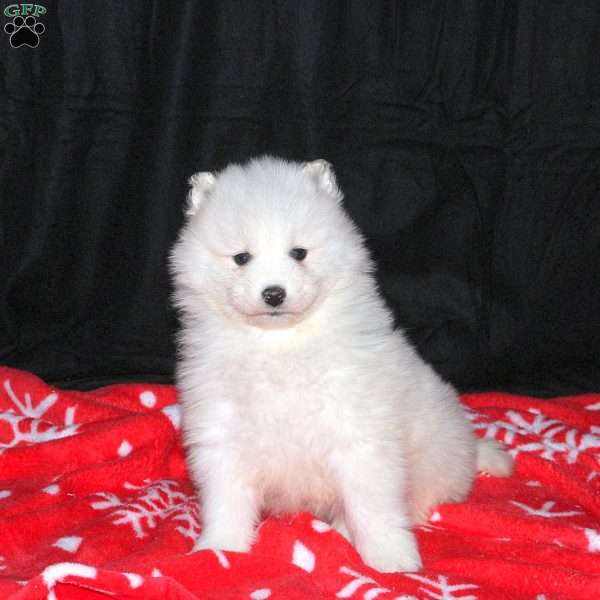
(201, 186)
(321, 171)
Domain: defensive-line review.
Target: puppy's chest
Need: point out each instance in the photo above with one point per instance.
(285, 419)
(285, 387)
(283, 399)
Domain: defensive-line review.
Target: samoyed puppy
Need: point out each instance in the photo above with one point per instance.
(297, 392)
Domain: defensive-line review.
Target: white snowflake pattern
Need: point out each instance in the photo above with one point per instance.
(443, 589)
(358, 581)
(39, 430)
(222, 558)
(135, 580)
(159, 501)
(303, 557)
(2, 561)
(556, 437)
(261, 594)
(57, 572)
(545, 510)
(593, 539)
(68, 543)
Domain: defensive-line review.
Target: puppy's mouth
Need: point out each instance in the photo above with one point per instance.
(275, 313)
(274, 318)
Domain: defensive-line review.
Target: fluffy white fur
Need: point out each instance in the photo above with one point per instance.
(316, 404)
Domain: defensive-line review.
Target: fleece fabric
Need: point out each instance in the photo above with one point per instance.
(95, 502)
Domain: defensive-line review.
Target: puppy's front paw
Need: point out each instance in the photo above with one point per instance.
(395, 551)
(229, 541)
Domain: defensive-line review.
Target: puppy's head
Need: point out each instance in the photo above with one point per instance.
(265, 243)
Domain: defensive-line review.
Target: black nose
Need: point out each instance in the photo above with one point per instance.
(273, 295)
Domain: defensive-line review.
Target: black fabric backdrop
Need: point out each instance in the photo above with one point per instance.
(466, 135)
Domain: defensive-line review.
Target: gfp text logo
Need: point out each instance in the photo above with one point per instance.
(24, 29)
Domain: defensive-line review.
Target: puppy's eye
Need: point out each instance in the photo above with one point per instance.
(298, 253)
(242, 258)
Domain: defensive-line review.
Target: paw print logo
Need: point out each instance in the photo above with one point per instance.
(24, 31)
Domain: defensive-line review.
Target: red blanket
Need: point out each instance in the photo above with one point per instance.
(95, 503)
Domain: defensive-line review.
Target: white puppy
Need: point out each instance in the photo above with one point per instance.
(297, 393)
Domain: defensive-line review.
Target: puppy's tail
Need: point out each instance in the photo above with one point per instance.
(493, 459)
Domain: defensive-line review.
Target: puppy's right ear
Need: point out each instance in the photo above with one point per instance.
(201, 185)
